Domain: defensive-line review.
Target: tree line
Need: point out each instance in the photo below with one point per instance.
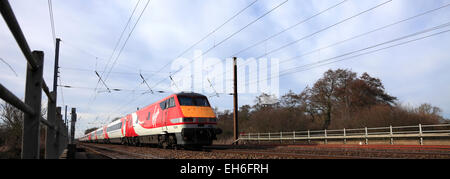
(339, 99)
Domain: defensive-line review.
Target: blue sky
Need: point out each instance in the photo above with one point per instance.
(416, 72)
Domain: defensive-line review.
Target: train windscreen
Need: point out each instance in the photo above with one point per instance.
(193, 101)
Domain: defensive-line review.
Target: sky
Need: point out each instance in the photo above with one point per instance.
(415, 71)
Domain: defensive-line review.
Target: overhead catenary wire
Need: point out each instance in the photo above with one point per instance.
(111, 89)
(116, 72)
(52, 24)
(69, 44)
(120, 39)
(209, 34)
(124, 44)
(366, 33)
(126, 40)
(52, 21)
(317, 32)
(311, 65)
(10, 67)
(216, 45)
(323, 29)
(288, 28)
(228, 37)
(216, 29)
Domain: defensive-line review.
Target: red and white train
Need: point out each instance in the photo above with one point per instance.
(182, 119)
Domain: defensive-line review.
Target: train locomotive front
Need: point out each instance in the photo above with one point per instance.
(182, 119)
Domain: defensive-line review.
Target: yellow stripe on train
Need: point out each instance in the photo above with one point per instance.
(197, 111)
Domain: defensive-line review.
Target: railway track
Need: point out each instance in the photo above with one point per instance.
(287, 154)
(117, 154)
(274, 152)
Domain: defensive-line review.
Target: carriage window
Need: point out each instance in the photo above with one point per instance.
(148, 117)
(114, 127)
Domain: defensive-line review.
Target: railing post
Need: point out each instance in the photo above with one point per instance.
(420, 134)
(293, 135)
(281, 137)
(269, 136)
(309, 140)
(72, 146)
(345, 138)
(391, 134)
(365, 135)
(258, 138)
(58, 129)
(326, 142)
(33, 96)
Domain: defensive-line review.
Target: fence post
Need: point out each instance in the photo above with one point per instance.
(72, 146)
(365, 135)
(309, 140)
(50, 143)
(420, 134)
(258, 137)
(293, 135)
(345, 138)
(391, 134)
(57, 125)
(33, 95)
(281, 136)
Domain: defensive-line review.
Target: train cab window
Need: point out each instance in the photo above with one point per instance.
(193, 101)
(171, 102)
(185, 101)
(199, 101)
(163, 105)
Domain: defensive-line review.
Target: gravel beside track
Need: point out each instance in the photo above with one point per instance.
(274, 152)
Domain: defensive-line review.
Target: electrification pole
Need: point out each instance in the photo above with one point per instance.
(235, 101)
